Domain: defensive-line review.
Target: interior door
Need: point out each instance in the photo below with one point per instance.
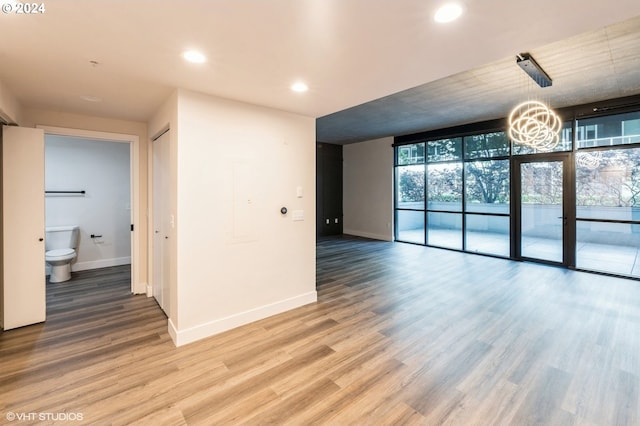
(24, 283)
(542, 214)
(161, 224)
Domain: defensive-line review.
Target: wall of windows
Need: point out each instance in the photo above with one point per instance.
(457, 196)
(456, 192)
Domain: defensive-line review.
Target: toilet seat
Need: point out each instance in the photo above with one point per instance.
(60, 262)
(59, 253)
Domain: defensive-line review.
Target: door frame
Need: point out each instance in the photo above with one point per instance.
(137, 285)
(568, 206)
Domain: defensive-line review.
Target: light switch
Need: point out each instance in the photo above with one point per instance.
(299, 192)
(297, 215)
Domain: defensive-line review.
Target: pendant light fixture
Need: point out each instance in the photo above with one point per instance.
(532, 123)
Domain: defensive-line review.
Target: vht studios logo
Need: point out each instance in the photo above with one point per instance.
(44, 417)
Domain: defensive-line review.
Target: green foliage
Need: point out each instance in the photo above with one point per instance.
(411, 185)
(445, 183)
(614, 183)
(488, 181)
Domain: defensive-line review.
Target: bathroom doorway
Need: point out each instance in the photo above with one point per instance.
(101, 195)
(88, 186)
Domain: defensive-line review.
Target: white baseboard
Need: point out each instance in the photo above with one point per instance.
(101, 263)
(189, 335)
(368, 235)
(173, 332)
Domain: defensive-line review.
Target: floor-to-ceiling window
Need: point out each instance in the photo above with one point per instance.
(444, 193)
(487, 196)
(454, 193)
(607, 165)
(577, 206)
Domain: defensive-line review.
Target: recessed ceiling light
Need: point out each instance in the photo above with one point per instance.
(194, 57)
(299, 87)
(447, 13)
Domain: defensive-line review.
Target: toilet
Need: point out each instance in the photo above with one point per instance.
(60, 243)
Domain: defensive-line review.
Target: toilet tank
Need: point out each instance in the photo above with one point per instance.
(61, 237)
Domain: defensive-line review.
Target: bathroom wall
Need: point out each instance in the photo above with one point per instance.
(102, 169)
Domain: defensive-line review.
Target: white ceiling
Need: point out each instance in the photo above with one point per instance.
(348, 51)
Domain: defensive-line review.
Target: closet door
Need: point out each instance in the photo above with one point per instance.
(24, 285)
(161, 221)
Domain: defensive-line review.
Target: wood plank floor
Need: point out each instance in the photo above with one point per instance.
(401, 334)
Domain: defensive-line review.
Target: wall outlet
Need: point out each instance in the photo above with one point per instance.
(297, 215)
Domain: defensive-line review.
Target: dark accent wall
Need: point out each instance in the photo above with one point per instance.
(328, 189)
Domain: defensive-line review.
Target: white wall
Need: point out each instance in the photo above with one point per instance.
(10, 110)
(238, 258)
(368, 189)
(102, 169)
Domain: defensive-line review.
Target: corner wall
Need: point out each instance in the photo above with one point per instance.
(10, 110)
(368, 189)
(239, 258)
